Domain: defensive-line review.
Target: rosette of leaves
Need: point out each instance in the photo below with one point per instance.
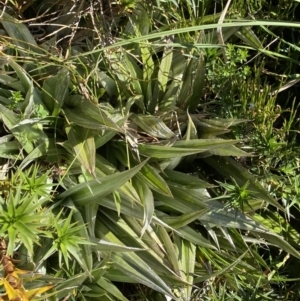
(135, 164)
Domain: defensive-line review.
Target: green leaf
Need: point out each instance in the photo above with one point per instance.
(91, 116)
(67, 239)
(106, 246)
(198, 85)
(178, 222)
(135, 73)
(9, 118)
(136, 269)
(90, 214)
(29, 134)
(103, 137)
(12, 235)
(148, 69)
(206, 129)
(20, 35)
(55, 90)
(33, 103)
(11, 82)
(207, 144)
(152, 126)
(186, 260)
(22, 75)
(127, 231)
(100, 268)
(149, 176)
(279, 227)
(139, 22)
(47, 147)
(192, 83)
(194, 200)
(83, 143)
(162, 79)
(94, 291)
(182, 148)
(111, 289)
(90, 192)
(195, 237)
(86, 250)
(191, 131)
(27, 236)
(117, 200)
(147, 199)
(68, 285)
(186, 180)
(249, 37)
(169, 247)
(229, 150)
(10, 150)
(230, 168)
(107, 83)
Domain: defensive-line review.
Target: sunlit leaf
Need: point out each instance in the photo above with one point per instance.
(186, 260)
(152, 126)
(88, 115)
(83, 194)
(147, 199)
(153, 180)
(83, 143)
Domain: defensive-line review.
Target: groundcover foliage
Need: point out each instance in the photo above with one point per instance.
(144, 155)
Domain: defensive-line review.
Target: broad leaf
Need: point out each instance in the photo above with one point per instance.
(86, 193)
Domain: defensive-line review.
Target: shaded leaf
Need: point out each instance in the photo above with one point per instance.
(20, 34)
(55, 90)
(230, 168)
(186, 180)
(111, 289)
(135, 268)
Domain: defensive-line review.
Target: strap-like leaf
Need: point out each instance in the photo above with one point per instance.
(92, 191)
(152, 126)
(82, 141)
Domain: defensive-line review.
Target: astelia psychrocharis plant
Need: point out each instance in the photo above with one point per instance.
(131, 195)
